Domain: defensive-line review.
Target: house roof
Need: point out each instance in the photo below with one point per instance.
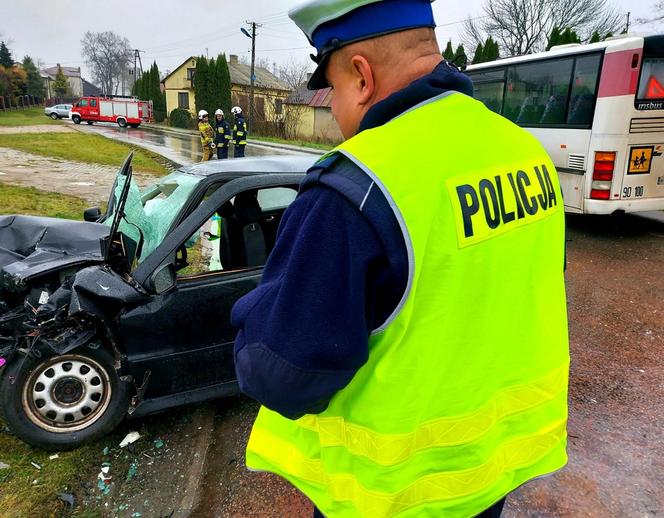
(314, 98)
(301, 95)
(322, 98)
(67, 71)
(241, 75)
(89, 89)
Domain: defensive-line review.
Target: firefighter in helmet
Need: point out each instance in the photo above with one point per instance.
(207, 135)
(222, 134)
(239, 132)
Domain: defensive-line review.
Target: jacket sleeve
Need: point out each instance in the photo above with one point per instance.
(304, 331)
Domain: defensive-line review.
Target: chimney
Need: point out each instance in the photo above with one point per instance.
(234, 60)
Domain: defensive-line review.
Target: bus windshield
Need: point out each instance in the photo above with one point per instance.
(651, 86)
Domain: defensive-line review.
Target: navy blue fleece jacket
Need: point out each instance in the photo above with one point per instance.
(338, 270)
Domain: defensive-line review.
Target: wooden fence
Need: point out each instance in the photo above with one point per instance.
(21, 102)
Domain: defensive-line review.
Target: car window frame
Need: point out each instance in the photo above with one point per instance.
(165, 253)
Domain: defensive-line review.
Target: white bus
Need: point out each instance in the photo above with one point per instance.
(598, 110)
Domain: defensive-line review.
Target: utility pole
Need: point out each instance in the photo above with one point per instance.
(252, 35)
(137, 59)
(627, 26)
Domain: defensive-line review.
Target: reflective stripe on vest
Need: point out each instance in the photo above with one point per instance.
(464, 394)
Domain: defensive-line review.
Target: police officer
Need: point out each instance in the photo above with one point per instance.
(222, 134)
(408, 339)
(239, 132)
(207, 135)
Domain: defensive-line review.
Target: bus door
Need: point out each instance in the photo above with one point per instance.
(644, 168)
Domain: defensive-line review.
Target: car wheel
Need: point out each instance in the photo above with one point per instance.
(122, 123)
(76, 119)
(54, 116)
(58, 402)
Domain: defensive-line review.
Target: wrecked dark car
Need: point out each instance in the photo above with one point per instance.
(128, 313)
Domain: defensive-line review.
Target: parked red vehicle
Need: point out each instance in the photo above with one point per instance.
(124, 111)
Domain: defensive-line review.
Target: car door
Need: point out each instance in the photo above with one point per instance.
(182, 336)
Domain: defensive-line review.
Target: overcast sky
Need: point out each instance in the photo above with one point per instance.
(169, 31)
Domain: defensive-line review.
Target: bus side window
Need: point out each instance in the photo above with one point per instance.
(537, 93)
(584, 90)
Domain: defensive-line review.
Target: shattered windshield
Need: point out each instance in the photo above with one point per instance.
(149, 214)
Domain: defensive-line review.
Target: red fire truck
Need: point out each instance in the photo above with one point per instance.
(124, 111)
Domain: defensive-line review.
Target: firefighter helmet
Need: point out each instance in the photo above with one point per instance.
(236, 110)
(202, 114)
(219, 112)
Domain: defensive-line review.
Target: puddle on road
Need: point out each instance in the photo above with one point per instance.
(82, 184)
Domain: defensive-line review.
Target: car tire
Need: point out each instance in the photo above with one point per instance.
(76, 119)
(122, 122)
(54, 116)
(82, 382)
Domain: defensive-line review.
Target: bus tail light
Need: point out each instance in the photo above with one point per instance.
(605, 162)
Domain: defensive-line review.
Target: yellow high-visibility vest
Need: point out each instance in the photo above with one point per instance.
(464, 395)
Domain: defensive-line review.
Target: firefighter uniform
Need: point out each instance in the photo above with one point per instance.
(207, 139)
(222, 138)
(457, 404)
(239, 135)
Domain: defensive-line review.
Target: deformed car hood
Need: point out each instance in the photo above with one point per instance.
(32, 245)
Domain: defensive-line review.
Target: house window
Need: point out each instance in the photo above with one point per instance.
(279, 106)
(183, 100)
(190, 73)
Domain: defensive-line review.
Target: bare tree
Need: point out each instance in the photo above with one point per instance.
(656, 8)
(523, 26)
(107, 55)
(295, 73)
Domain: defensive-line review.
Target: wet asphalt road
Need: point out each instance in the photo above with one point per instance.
(182, 149)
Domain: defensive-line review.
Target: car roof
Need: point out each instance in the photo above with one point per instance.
(293, 164)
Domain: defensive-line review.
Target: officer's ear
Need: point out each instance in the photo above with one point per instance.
(363, 79)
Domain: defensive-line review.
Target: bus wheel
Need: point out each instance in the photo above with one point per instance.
(76, 119)
(122, 123)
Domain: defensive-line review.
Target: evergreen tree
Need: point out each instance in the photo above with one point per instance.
(479, 54)
(595, 38)
(211, 91)
(6, 59)
(201, 78)
(554, 38)
(491, 51)
(460, 58)
(34, 83)
(448, 53)
(569, 36)
(158, 97)
(60, 85)
(224, 79)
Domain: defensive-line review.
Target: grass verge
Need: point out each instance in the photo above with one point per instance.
(28, 117)
(28, 200)
(82, 147)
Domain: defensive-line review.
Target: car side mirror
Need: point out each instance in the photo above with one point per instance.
(92, 214)
(163, 279)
